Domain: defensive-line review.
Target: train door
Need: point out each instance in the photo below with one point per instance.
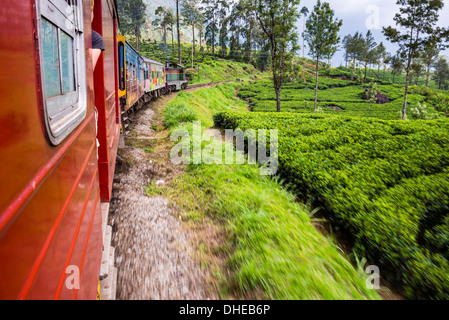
(121, 66)
(106, 94)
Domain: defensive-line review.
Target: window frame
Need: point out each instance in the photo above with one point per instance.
(122, 71)
(64, 113)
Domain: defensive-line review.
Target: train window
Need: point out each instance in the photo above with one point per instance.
(62, 66)
(121, 69)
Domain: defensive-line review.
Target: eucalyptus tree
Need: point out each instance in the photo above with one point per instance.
(305, 12)
(277, 19)
(178, 31)
(214, 12)
(322, 35)
(381, 55)
(441, 75)
(431, 49)
(132, 17)
(368, 52)
(164, 18)
(190, 14)
(415, 23)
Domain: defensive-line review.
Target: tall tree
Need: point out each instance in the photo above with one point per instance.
(347, 41)
(214, 11)
(397, 66)
(163, 21)
(381, 55)
(432, 48)
(277, 19)
(190, 13)
(441, 75)
(250, 20)
(132, 17)
(322, 35)
(305, 12)
(416, 22)
(178, 31)
(368, 53)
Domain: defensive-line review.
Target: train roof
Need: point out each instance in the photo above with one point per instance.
(148, 60)
(176, 65)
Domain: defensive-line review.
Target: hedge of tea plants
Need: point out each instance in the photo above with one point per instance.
(385, 182)
(335, 96)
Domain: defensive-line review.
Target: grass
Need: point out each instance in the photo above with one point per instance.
(271, 249)
(202, 104)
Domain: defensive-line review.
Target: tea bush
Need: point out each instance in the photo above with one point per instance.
(386, 182)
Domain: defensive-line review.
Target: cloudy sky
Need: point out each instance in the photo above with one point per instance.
(358, 15)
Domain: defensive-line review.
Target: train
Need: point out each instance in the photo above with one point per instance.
(61, 122)
(142, 79)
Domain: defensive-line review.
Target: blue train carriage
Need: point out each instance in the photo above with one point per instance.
(154, 84)
(135, 72)
(176, 77)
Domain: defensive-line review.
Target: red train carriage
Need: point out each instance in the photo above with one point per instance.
(53, 177)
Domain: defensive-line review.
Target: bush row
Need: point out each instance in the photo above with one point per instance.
(387, 182)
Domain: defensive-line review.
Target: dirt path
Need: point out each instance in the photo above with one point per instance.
(154, 250)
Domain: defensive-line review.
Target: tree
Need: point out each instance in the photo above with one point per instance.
(190, 15)
(432, 47)
(397, 66)
(223, 38)
(347, 47)
(416, 24)
(132, 17)
(322, 35)
(214, 11)
(441, 75)
(277, 19)
(353, 46)
(178, 31)
(381, 55)
(416, 70)
(163, 21)
(371, 93)
(305, 12)
(368, 52)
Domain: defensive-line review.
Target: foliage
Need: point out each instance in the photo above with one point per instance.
(386, 182)
(416, 21)
(322, 35)
(277, 20)
(132, 17)
(267, 239)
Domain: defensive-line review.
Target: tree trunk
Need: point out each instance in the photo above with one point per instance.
(428, 76)
(407, 74)
(193, 42)
(213, 39)
(249, 41)
(278, 100)
(366, 67)
(136, 33)
(179, 35)
(316, 85)
(304, 30)
(172, 41)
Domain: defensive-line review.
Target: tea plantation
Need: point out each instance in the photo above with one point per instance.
(335, 96)
(386, 182)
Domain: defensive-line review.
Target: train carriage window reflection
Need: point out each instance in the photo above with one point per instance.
(61, 49)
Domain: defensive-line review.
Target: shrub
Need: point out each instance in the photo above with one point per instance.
(386, 182)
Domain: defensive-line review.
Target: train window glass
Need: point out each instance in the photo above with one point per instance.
(68, 77)
(62, 66)
(51, 59)
(121, 50)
